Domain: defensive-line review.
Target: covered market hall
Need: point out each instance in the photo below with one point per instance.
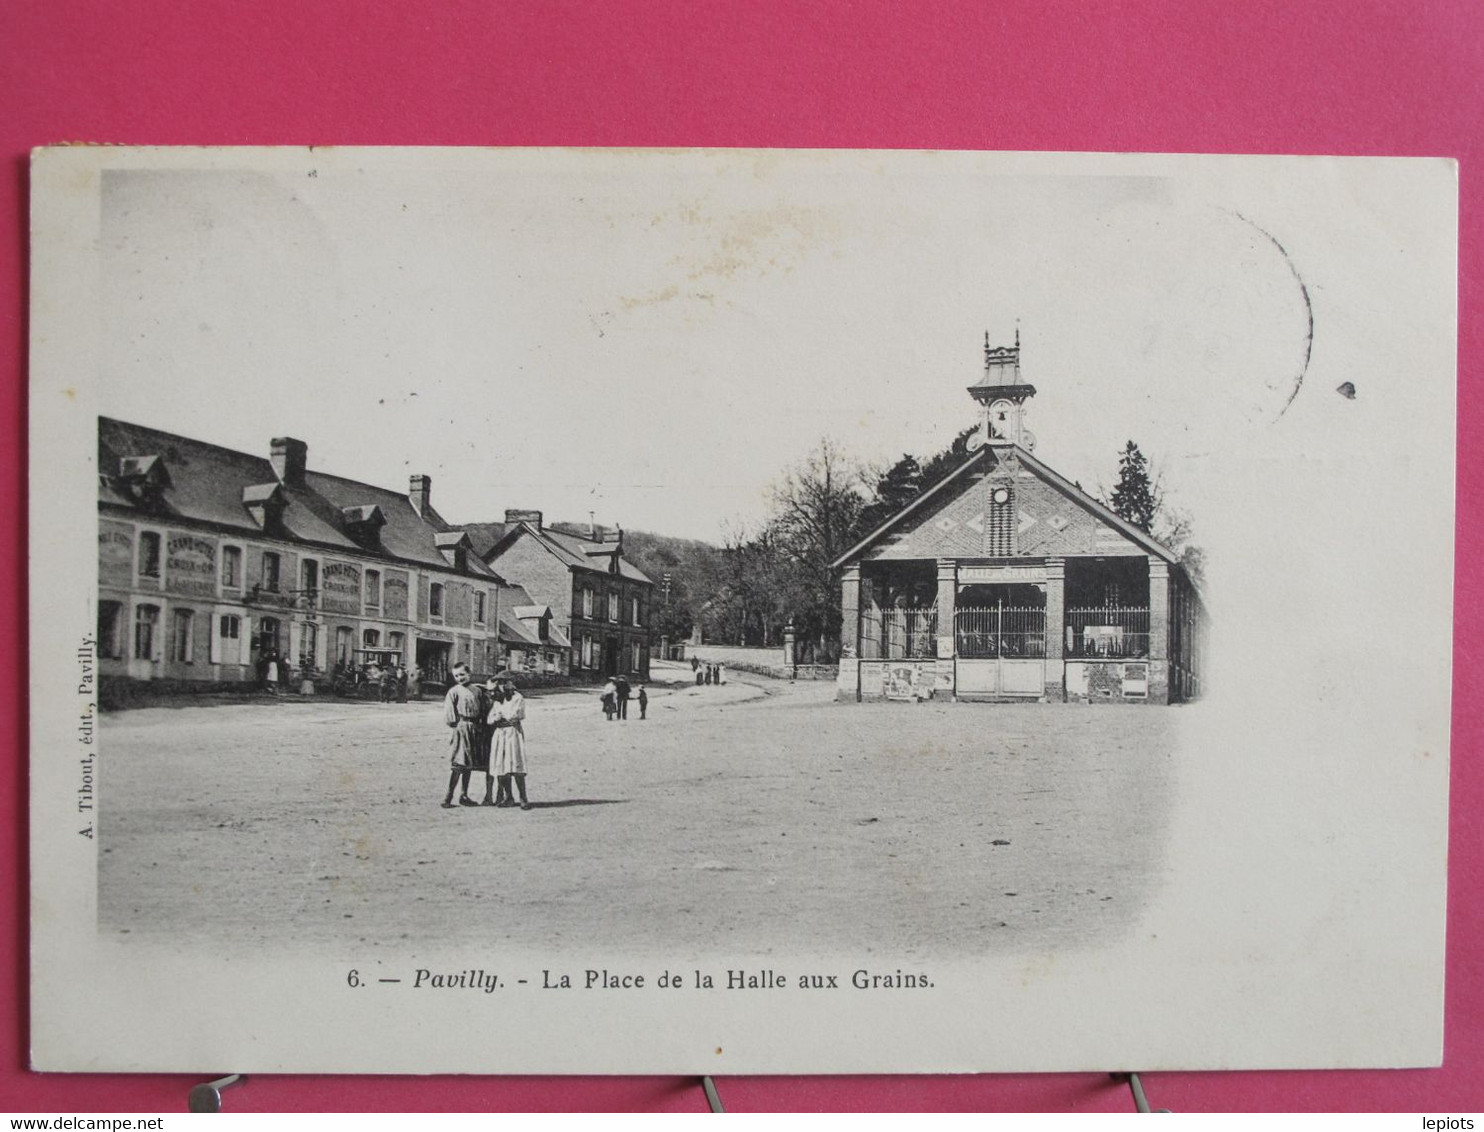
(1005, 581)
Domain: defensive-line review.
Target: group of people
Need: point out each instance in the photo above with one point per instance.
(392, 682)
(273, 671)
(708, 673)
(616, 695)
(488, 736)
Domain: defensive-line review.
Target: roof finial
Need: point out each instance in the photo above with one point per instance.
(1017, 335)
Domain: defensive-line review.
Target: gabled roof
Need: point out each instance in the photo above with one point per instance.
(1055, 479)
(210, 484)
(573, 551)
(916, 505)
(1101, 510)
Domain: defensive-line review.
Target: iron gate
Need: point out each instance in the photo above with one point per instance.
(1001, 650)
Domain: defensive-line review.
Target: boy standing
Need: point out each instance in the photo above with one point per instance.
(463, 711)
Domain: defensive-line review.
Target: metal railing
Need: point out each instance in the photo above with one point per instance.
(1001, 631)
(1115, 631)
(899, 634)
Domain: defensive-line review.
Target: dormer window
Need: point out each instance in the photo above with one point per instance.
(265, 503)
(455, 547)
(143, 479)
(363, 524)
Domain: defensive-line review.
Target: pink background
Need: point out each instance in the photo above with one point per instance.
(1270, 76)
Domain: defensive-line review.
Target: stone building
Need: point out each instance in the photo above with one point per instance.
(599, 600)
(212, 561)
(1006, 581)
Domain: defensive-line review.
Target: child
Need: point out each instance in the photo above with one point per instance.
(463, 711)
(508, 757)
(643, 701)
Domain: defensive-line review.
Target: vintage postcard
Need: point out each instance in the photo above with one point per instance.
(562, 611)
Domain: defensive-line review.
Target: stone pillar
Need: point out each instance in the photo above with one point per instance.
(790, 648)
(1159, 631)
(946, 683)
(1056, 632)
(848, 683)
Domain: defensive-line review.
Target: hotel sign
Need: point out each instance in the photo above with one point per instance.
(394, 596)
(342, 588)
(116, 555)
(191, 566)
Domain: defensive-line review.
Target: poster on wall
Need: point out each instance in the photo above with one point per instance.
(800, 611)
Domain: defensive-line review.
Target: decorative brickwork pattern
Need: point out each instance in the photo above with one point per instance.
(1044, 520)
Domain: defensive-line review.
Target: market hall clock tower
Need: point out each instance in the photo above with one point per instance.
(1003, 395)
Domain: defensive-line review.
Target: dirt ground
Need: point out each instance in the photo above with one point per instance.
(759, 816)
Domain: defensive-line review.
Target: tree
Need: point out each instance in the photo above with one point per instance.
(1136, 497)
(896, 487)
(754, 589)
(941, 465)
(817, 509)
(908, 478)
(1172, 527)
(1139, 498)
(692, 568)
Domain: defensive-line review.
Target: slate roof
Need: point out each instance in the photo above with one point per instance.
(573, 551)
(517, 629)
(208, 485)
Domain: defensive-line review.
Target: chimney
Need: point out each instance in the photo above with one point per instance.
(513, 517)
(289, 458)
(420, 491)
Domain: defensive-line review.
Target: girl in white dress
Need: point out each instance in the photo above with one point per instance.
(508, 747)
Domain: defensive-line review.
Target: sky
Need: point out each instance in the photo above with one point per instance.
(654, 337)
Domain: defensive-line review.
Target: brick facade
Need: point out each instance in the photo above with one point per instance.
(1015, 542)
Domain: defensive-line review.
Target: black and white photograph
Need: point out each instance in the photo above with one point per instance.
(611, 611)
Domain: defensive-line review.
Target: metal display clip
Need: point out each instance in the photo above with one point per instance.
(208, 1097)
(1135, 1086)
(713, 1098)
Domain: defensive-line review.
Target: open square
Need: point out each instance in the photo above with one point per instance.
(757, 816)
